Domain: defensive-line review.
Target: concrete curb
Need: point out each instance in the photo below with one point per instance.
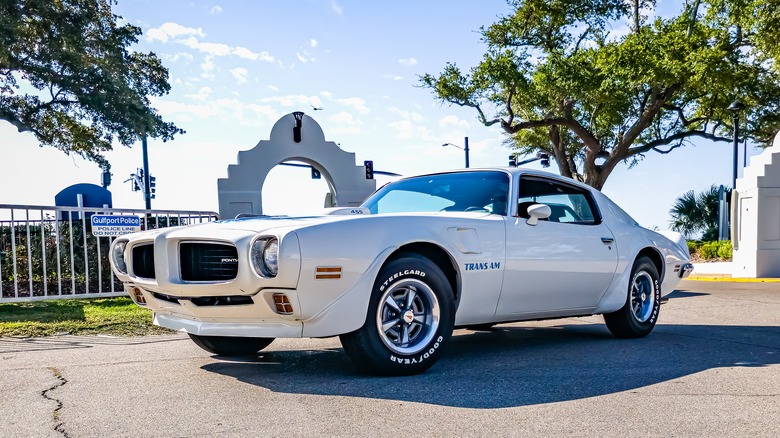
(727, 278)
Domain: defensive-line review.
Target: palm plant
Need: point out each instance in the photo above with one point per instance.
(692, 213)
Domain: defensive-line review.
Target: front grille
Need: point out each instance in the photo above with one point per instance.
(208, 261)
(167, 298)
(143, 261)
(233, 300)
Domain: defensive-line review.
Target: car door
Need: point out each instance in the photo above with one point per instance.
(563, 264)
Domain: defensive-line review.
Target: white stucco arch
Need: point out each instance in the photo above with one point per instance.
(241, 191)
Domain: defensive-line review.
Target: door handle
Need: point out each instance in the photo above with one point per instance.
(607, 240)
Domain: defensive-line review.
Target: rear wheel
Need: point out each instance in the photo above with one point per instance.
(638, 316)
(410, 319)
(230, 345)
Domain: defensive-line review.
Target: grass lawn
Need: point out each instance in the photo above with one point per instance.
(104, 316)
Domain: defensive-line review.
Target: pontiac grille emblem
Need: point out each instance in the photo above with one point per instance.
(229, 260)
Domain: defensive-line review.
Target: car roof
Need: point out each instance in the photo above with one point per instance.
(515, 172)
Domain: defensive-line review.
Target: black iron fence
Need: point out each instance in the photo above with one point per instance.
(51, 253)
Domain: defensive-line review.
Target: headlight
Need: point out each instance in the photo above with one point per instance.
(118, 256)
(271, 256)
(265, 256)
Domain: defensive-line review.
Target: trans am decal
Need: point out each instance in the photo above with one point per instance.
(482, 266)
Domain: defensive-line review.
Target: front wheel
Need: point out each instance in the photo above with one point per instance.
(230, 345)
(638, 316)
(409, 321)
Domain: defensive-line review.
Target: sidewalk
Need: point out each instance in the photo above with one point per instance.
(722, 271)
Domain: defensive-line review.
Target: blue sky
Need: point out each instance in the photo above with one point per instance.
(236, 67)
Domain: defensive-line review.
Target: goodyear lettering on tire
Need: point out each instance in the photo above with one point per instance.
(421, 357)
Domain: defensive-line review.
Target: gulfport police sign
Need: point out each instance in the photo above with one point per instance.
(115, 225)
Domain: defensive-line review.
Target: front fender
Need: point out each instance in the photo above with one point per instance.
(348, 312)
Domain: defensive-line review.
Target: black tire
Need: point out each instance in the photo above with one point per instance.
(230, 345)
(410, 319)
(639, 314)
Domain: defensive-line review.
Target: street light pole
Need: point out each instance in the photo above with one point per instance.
(466, 149)
(735, 109)
(466, 141)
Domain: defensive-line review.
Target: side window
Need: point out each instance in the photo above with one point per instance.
(569, 204)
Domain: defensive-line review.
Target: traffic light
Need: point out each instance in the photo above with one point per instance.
(152, 186)
(106, 179)
(513, 160)
(545, 159)
(315, 174)
(369, 169)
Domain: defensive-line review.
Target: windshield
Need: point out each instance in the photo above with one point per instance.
(458, 191)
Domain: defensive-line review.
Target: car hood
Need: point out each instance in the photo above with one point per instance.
(265, 223)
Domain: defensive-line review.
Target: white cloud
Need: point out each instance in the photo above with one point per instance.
(181, 55)
(170, 108)
(231, 110)
(393, 77)
(356, 103)
(326, 94)
(265, 56)
(407, 115)
(216, 49)
(177, 33)
(216, 9)
(294, 100)
(172, 30)
(273, 88)
(201, 95)
(406, 129)
(337, 8)
(407, 61)
(208, 68)
(208, 64)
(313, 42)
(240, 74)
(243, 52)
(453, 123)
(301, 58)
(344, 123)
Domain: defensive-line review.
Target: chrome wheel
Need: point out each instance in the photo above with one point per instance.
(642, 296)
(407, 316)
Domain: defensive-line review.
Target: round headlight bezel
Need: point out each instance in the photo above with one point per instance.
(118, 256)
(265, 256)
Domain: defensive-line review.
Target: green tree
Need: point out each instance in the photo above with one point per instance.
(693, 213)
(595, 83)
(68, 76)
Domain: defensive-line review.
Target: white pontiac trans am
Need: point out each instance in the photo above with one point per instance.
(393, 277)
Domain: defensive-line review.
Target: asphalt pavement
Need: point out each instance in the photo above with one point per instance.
(710, 368)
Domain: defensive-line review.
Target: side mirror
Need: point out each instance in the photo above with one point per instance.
(536, 212)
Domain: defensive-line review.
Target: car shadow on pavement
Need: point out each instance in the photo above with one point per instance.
(685, 294)
(517, 366)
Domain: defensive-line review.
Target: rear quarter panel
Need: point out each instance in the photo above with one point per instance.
(630, 240)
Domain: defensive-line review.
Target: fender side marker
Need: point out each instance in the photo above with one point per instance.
(327, 272)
